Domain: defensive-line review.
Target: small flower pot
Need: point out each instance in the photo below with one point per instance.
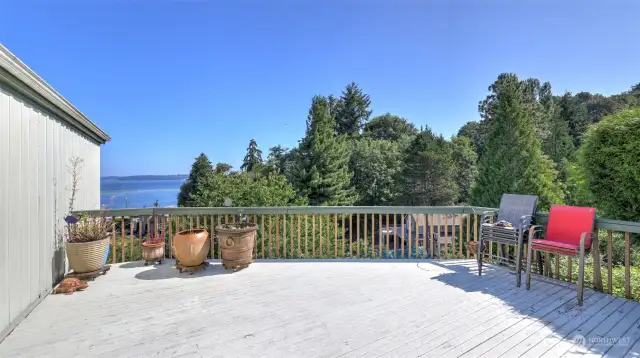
(152, 252)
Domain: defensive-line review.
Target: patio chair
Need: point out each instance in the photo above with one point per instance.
(569, 232)
(517, 210)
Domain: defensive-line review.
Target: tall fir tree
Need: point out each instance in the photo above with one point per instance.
(200, 169)
(465, 160)
(428, 176)
(321, 165)
(253, 158)
(513, 161)
(351, 110)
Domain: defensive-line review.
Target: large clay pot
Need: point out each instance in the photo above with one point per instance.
(191, 246)
(87, 256)
(236, 245)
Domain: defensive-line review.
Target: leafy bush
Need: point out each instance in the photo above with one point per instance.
(609, 155)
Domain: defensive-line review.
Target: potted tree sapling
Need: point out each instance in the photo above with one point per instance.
(236, 241)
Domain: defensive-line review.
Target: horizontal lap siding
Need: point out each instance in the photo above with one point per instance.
(35, 148)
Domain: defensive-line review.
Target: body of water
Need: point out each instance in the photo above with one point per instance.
(116, 193)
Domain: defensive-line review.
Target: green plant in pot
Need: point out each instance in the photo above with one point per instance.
(87, 243)
(236, 241)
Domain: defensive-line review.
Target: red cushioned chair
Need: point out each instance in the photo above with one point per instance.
(569, 232)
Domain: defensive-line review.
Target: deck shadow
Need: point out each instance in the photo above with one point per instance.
(550, 302)
(167, 270)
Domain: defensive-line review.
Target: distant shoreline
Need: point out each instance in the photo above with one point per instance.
(148, 177)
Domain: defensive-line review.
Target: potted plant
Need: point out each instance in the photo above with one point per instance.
(153, 249)
(87, 243)
(236, 242)
(191, 247)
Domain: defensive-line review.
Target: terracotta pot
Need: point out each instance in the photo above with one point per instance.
(152, 252)
(191, 246)
(236, 245)
(87, 256)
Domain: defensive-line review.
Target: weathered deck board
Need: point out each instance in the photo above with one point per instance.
(323, 309)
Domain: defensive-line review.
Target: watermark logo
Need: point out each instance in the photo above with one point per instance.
(581, 340)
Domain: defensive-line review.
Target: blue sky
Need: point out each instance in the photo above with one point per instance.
(168, 80)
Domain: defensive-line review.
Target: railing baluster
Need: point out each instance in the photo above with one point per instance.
(306, 236)
(219, 222)
(262, 237)
(270, 238)
(344, 237)
(610, 261)
(132, 236)
(468, 234)
(284, 236)
(401, 234)
(380, 238)
(387, 236)
(557, 262)
(409, 222)
(569, 269)
(292, 233)
(320, 221)
(277, 236)
(114, 254)
(627, 265)
(197, 221)
(432, 249)
(358, 235)
(335, 234)
(122, 239)
(212, 232)
(313, 235)
(139, 244)
(365, 236)
(597, 275)
(424, 238)
(299, 248)
(350, 235)
(164, 233)
(460, 219)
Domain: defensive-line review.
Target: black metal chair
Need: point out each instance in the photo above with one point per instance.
(517, 210)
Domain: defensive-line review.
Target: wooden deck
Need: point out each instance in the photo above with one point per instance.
(325, 309)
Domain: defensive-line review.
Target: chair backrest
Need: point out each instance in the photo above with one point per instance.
(567, 223)
(514, 206)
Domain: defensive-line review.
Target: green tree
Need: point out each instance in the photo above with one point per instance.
(200, 168)
(223, 168)
(253, 158)
(609, 155)
(388, 127)
(573, 112)
(351, 111)
(558, 145)
(245, 189)
(513, 161)
(321, 167)
(375, 165)
(466, 171)
(429, 173)
(476, 132)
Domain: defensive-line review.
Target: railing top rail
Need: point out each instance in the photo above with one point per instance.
(601, 223)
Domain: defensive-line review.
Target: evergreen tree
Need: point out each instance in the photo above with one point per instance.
(253, 158)
(223, 168)
(464, 159)
(351, 111)
(513, 161)
(389, 127)
(573, 112)
(200, 168)
(321, 173)
(428, 176)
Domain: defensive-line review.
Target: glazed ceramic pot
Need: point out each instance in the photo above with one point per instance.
(236, 245)
(191, 246)
(87, 256)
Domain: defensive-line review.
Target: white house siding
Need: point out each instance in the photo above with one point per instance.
(35, 149)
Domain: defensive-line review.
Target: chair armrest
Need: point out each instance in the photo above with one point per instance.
(533, 230)
(486, 215)
(584, 237)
